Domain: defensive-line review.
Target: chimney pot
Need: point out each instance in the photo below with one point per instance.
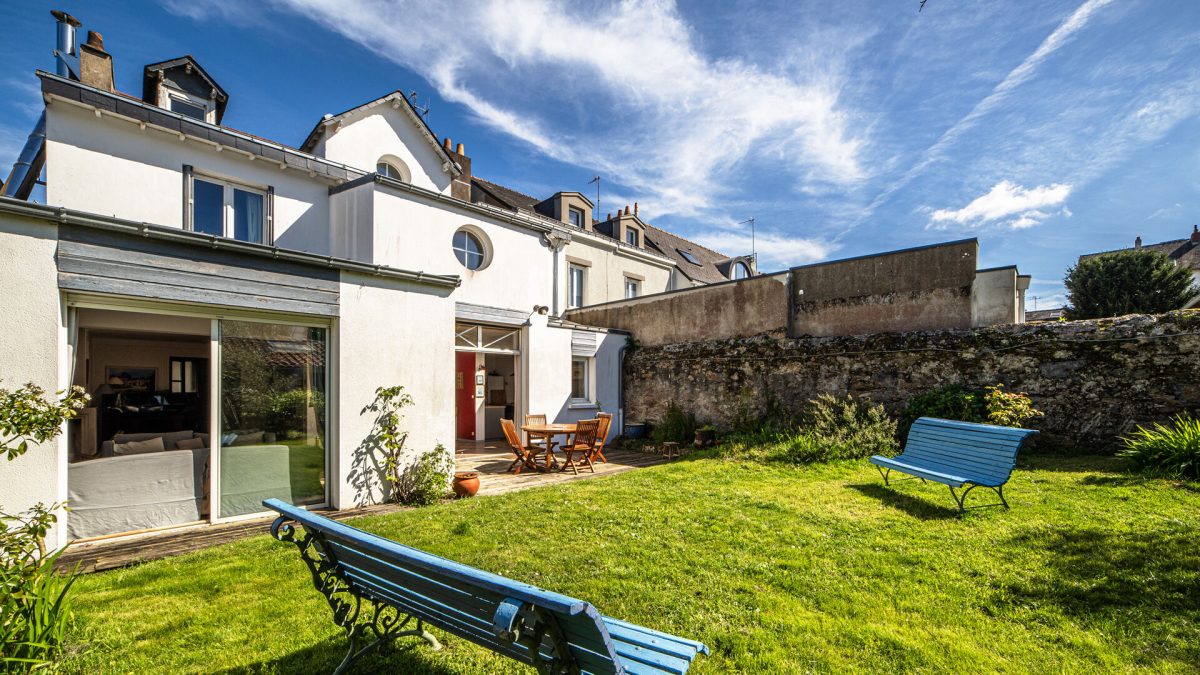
(626, 209)
(95, 40)
(635, 208)
(446, 143)
(609, 216)
(1137, 243)
(1195, 234)
(460, 149)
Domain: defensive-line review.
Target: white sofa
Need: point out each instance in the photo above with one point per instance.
(124, 493)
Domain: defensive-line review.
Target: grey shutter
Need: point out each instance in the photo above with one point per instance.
(187, 197)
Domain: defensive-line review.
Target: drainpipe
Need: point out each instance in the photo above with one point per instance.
(621, 388)
(557, 241)
(29, 163)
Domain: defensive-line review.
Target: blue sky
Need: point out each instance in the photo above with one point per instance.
(1046, 129)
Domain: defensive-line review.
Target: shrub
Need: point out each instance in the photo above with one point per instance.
(992, 405)
(35, 611)
(1127, 282)
(426, 480)
(1172, 451)
(34, 604)
(832, 428)
(1009, 409)
(387, 438)
(849, 427)
(675, 425)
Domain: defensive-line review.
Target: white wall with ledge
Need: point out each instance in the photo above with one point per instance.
(363, 137)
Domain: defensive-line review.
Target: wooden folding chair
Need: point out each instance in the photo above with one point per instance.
(538, 442)
(525, 456)
(601, 437)
(582, 445)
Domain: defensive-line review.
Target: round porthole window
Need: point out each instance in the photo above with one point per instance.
(470, 249)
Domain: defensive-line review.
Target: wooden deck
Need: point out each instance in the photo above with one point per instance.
(486, 458)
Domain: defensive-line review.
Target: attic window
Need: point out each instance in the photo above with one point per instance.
(631, 236)
(187, 108)
(391, 167)
(688, 256)
(740, 271)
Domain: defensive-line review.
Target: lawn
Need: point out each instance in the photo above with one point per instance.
(778, 569)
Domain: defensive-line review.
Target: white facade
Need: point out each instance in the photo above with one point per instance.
(383, 329)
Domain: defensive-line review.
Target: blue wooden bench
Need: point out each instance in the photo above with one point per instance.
(958, 454)
(380, 590)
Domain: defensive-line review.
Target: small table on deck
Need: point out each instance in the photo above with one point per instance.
(548, 432)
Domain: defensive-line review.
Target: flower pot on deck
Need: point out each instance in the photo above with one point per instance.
(466, 483)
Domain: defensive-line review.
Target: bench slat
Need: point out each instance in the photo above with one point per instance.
(929, 474)
(974, 427)
(944, 454)
(981, 446)
(463, 601)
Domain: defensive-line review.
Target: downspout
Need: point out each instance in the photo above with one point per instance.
(29, 163)
(621, 388)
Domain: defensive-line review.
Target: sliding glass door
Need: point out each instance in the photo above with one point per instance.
(272, 415)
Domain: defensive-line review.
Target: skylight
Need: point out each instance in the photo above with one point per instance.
(688, 256)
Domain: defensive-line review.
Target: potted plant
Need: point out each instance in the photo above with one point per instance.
(635, 430)
(705, 436)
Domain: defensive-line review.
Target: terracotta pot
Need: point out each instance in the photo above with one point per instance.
(466, 483)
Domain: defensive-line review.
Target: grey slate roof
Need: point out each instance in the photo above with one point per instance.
(1184, 252)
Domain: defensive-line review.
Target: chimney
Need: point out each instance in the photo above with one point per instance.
(1137, 243)
(635, 208)
(626, 209)
(65, 46)
(95, 64)
(1195, 235)
(460, 188)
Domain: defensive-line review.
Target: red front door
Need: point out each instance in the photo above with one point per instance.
(464, 394)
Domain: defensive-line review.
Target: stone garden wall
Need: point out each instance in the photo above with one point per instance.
(1095, 380)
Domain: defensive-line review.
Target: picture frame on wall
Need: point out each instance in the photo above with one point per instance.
(131, 378)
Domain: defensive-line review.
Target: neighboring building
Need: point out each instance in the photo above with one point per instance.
(1044, 315)
(214, 289)
(1182, 252)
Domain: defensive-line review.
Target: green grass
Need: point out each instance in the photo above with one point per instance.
(778, 569)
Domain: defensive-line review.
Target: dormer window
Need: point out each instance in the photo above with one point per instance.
(186, 107)
(741, 271)
(575, 216)
(631, 236)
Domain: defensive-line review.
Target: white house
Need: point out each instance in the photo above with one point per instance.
(213, 289)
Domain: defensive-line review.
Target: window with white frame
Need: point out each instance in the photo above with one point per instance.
(632, 288)
(391, 167)
(575, 278)
(575, 216)
(631, 236)
(185, 104)
(226, 209)
(741, 271)
(581, 378)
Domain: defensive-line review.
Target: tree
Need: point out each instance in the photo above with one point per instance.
(1127, 282)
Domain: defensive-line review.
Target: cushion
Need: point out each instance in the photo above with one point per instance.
(190, 444)
(255, 438)
(139, 447)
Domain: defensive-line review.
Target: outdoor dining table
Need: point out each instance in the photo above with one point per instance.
(548, 432)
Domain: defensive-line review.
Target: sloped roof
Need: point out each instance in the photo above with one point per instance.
(1185, 252)
(515, 200)
(673, 246)
(311, 140)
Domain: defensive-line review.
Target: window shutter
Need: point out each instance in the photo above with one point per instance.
(187, 197)
(269, 230)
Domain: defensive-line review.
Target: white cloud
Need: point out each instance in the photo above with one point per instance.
(1002, 91)
(655, 112)
(1004, 200)
(774, 251)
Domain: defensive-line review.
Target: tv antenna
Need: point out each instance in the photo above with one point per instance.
(750, 220)
(596, 180)
(423, 111)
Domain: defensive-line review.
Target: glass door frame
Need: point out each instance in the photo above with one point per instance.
(74, 300)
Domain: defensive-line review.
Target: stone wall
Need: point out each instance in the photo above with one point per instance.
(1094, 380)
